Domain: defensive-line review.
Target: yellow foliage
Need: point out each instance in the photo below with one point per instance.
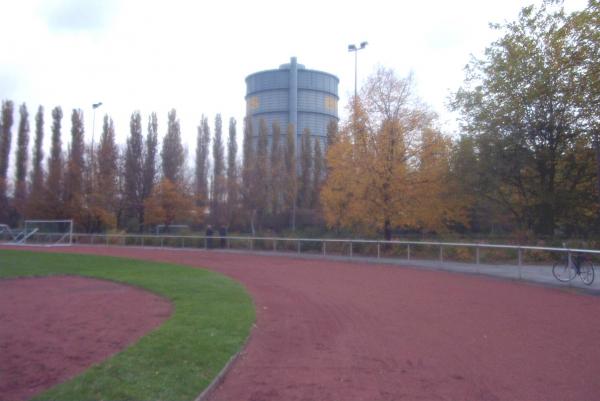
(169, 204)
(389, 168)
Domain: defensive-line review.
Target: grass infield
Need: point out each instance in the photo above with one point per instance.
(211, 319)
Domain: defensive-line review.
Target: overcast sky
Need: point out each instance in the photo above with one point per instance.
(194, 55)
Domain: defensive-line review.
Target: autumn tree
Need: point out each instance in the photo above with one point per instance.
(218, 182)
(53, 187)
(583, 39)
(261, 173)
(133, 179)
(522, 104)
(232, 173)
(101, 213)
(201, 165)
(150, 152)
(249, 187)
(332, 132)
(305, 190)
(35, 199)
(168, 205)
(339, 196)
(378, 165)
(317, 177)
(290, 190)
(172, 153)
(20, 196)
(5, 144)
(276, 169)
(74, 191)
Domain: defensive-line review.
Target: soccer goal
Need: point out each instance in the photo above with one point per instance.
(46, 232)
(6, 234)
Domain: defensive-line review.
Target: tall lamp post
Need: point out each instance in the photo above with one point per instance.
(355, 49)
(94, 107)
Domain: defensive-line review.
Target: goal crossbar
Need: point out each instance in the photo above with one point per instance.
(61, 232)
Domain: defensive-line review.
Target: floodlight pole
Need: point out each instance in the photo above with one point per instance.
(355, 49)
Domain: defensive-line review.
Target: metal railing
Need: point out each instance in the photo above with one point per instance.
(324, 246)
(470, 257)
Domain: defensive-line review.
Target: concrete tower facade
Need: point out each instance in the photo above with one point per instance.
(293, 95)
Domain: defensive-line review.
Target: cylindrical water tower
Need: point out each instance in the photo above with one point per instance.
(293, 94)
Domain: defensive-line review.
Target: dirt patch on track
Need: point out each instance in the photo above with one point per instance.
(331, 330)
(54, 328)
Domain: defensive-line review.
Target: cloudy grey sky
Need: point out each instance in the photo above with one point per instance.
(152, 55)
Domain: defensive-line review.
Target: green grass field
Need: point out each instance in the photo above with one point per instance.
(211, 320)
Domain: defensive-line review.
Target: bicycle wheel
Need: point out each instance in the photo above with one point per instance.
(586, 272)
(563, 272)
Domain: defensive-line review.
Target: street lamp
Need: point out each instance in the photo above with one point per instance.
(94, 107)
(355, 49)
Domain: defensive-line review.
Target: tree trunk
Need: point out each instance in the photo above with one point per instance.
(387, 229)
(252, 218)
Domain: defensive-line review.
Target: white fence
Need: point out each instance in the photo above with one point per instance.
(515, 261)
(407, 250)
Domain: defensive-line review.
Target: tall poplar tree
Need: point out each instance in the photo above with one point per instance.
(134, 173)
(172, 154)
(232, 173)
(305, 192)
(107, 159)
(277, 171)
(74, 193)
(201, 165)
(317, 174)
(248, 174)
(291, 175)
(261, 173)
(53, 187)
(150, 153)
(20, 196)
(5, 144)
(218, 180)
(35, 199)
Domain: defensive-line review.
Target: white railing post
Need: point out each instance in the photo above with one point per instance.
(350, 248)
(441, 254)
(520, 262)
(407, 251)
(378, 250)
(299, 246)
(477, 260)
(324, 248)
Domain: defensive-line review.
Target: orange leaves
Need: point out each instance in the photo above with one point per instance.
(389, 168)
(169, 204)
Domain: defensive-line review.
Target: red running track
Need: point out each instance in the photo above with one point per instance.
(330, 330)
(54, 328)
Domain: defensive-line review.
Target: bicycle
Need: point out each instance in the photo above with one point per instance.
(579, 265)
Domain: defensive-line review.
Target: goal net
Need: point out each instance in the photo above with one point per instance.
(6, 234)
(46, 232)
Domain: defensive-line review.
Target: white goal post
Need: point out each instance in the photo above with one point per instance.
(47, 232)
